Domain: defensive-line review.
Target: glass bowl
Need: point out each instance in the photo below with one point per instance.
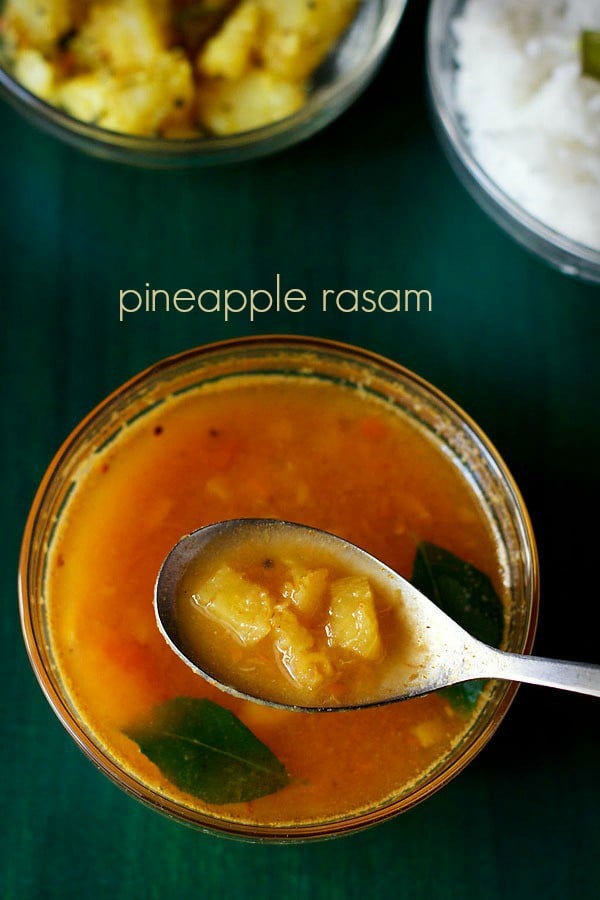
(565, 254)
(452, 430)
(338, 81)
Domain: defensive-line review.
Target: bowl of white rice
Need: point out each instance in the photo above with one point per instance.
(519, 118)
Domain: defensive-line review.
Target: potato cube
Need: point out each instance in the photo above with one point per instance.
(307, 667)
(37, 22)
(299, 35)
(123, 35)
(352, 623)
(86, 96)
(144, 102)
(256, 99)
(242, 607)
(35, 73)
(228, 53)
(306, 590)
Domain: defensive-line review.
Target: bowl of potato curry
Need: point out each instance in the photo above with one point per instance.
(176, 82)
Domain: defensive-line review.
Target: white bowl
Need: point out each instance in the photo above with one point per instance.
(569, 256)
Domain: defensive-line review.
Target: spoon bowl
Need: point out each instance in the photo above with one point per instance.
(438, 653)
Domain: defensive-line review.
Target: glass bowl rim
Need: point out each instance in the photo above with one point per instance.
(135, 788)
(567, 254)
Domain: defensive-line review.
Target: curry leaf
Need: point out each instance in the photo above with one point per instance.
(590, 53)
(467, 596)
(204, 750)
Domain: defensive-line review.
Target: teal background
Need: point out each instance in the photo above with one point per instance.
(369, 203)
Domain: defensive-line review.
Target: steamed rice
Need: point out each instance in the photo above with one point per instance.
(533, 119)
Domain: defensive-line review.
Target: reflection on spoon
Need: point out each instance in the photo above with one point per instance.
(291, 616)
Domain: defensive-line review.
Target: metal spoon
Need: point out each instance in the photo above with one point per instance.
(440, 653)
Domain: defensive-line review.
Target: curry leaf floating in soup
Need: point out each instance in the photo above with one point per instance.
(206, 751)
(286, 447)
(467, 596)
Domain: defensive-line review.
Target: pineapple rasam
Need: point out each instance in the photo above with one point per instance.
(296, 448)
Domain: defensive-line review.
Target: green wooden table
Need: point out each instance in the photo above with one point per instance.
(370, 203)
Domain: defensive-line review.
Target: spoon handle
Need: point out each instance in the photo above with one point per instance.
(582, 678)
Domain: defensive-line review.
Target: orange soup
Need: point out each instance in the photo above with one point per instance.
(293, 448)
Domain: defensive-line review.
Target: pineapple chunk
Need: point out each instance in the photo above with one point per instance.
(299, 35)
(306, 589)
(428, 733)
(307, 667)
(242, 607)
(123, 35)
(257, 99)
(352, 621)
(34, 73)
(228, 53)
